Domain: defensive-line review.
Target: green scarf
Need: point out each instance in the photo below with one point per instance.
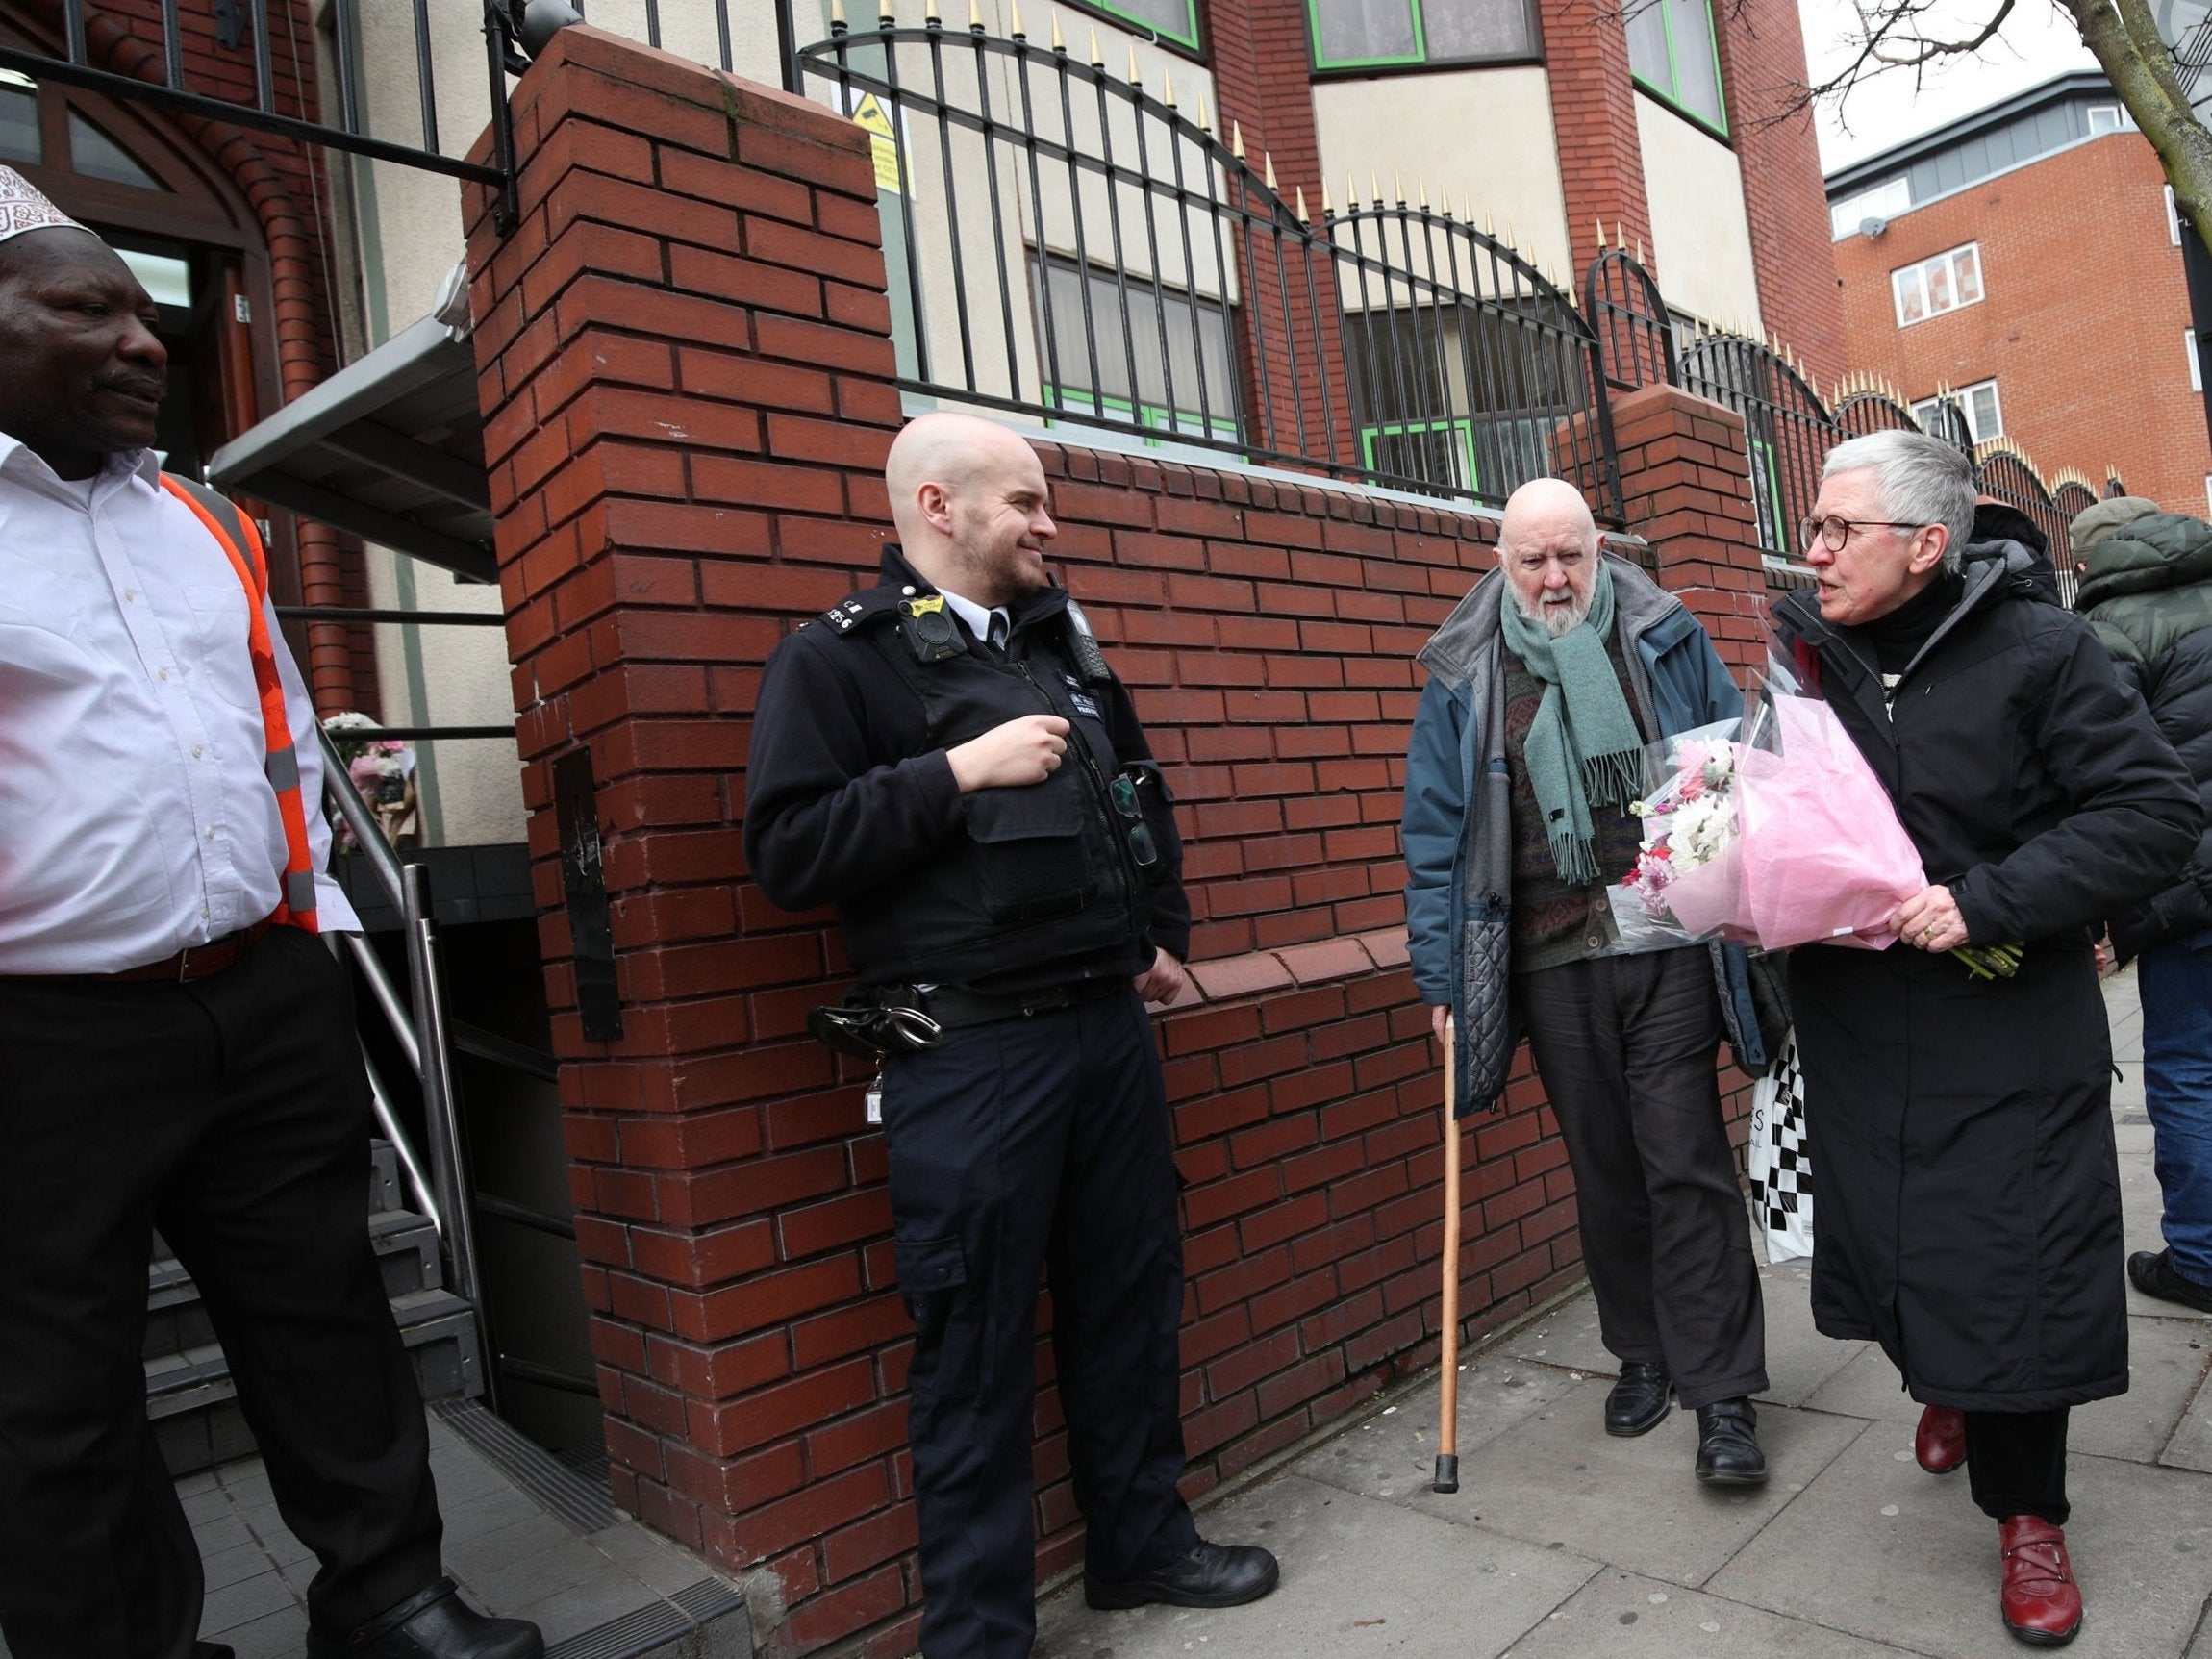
(1584, 744)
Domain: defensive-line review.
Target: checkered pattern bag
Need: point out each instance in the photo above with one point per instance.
(1781, 1175)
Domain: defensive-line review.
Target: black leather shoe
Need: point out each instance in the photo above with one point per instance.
(1728, 1451)
(1638, 1402)
(434, 1624)
(1211, 1575)
(2155, 1276)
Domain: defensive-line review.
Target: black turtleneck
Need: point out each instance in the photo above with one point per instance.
(1896, 637)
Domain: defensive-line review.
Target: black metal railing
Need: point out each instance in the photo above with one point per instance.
(1635, 334)
(137, 50)
(1064, 243)
(1788, 431)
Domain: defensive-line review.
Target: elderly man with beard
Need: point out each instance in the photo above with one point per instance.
(1545, 685)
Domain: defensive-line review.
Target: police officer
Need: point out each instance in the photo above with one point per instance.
(947, 758)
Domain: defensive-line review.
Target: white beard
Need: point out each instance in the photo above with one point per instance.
(1556, 617)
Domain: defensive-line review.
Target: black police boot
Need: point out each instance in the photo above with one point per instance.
(1638, 1402)
(1728, 1451)
(433, 1624)
(1211, 1575)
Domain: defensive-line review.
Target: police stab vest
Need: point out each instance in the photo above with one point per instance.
(1040, 883)
(241, 543)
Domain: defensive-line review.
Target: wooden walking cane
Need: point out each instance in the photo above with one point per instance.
(1447, 1395)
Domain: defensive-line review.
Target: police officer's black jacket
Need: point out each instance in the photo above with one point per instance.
(851, 800)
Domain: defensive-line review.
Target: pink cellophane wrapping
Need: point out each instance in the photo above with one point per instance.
(1822, 856)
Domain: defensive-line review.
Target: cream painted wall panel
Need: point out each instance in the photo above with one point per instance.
(1700, 234)
(1482, 136)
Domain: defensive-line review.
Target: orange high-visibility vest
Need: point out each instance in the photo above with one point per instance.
(235, 533)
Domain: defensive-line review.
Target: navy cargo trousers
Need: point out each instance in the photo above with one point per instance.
(1036, 1142)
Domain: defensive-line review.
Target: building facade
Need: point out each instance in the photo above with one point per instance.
(2027, 259)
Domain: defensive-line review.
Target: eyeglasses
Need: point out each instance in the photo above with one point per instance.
(1142, 846)
(1833, 531)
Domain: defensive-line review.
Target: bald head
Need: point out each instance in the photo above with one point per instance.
(85, 369)
(1548, 545)
(969, 496)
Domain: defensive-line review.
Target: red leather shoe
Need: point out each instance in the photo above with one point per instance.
(2041, 1601)
(1940, 1441)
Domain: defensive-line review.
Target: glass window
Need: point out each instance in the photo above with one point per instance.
(2196, 368)
(1367, 34)
(19, 118)
(2172, 219)
(1175, 20)
(1088, 344)
(1671, 52)
(1977, 404)
(97, 156)
(2107, 118)
(1935, 286)
(1884, 201)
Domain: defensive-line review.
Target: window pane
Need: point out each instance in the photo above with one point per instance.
(1171, 17)
(1938, 274)
(1697, 74)
(97, 156)
(1647, 43)
(19, 123)
(1967, 265)
(1476, 29)
(1987, 421)
(1910, 306)
(1362, 31)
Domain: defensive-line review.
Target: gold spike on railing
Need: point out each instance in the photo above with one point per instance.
(1490, 227)
(1268, 170)
(1014, 20)
(1136, 75)
(929, 14)
(1620, 240)
(1444, 202)
(1097, 57)
(1304, 219)
(1328, 207)
(975, 16)
(1205, 116)
(1237, 140)
(1167, 88)
(1397, 188)
(1421, 191)
(836, 17)
(884, 13)
(1375, 188)
(1601, 235)
(1058, 40)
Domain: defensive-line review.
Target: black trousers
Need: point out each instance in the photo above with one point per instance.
(1029, 1143)
(1625, 1045)
(2015, 1463)
(233, 1114)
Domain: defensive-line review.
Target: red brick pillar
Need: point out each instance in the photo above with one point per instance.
(1594, 112)
(686, 368)
(1686, 478)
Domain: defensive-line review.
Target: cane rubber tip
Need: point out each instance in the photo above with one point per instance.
(1446, 1473)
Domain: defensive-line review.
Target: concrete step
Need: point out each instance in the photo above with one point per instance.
(407, 1257)
(193, 1402)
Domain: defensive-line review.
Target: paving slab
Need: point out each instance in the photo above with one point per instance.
(1881, 1550)
(1621, 1613)
(2191, 1444)
(1393, 1453)
(2167, 1364)
(1362, 1578)
(1560, 1478)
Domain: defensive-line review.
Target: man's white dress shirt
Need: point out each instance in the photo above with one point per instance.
(134, 815)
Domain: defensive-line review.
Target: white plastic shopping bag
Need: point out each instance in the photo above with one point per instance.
(1781, 1175)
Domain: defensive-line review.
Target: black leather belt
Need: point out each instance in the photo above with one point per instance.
(955, 1009)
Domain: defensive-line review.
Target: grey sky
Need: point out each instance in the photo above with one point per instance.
(2038, 41)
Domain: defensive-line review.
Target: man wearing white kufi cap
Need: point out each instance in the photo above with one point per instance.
(176, 1047)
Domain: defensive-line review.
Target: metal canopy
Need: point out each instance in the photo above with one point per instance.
(391, 448)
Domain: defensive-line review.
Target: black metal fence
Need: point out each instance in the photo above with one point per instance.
(1068, 243)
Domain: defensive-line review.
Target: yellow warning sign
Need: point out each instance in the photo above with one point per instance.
(883, 139)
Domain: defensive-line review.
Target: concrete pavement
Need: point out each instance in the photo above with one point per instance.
(1562, 1543)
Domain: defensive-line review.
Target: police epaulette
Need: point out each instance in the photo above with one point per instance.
(864, 607)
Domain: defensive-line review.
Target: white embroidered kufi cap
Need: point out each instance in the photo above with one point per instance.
(22, 208)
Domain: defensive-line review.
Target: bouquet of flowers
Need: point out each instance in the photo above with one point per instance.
(381, 770)
(1780, 838)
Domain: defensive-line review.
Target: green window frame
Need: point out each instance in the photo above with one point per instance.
(1170, 423)
(1767, 500)
(1420, 56)
(1645, 69)
(1123, 13)
(1462, 430)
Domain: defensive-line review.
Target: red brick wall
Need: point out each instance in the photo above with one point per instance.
(1763, 72)
(685, 358)
(2083, 326)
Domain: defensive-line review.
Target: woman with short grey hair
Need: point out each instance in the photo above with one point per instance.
(1960, 1127)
